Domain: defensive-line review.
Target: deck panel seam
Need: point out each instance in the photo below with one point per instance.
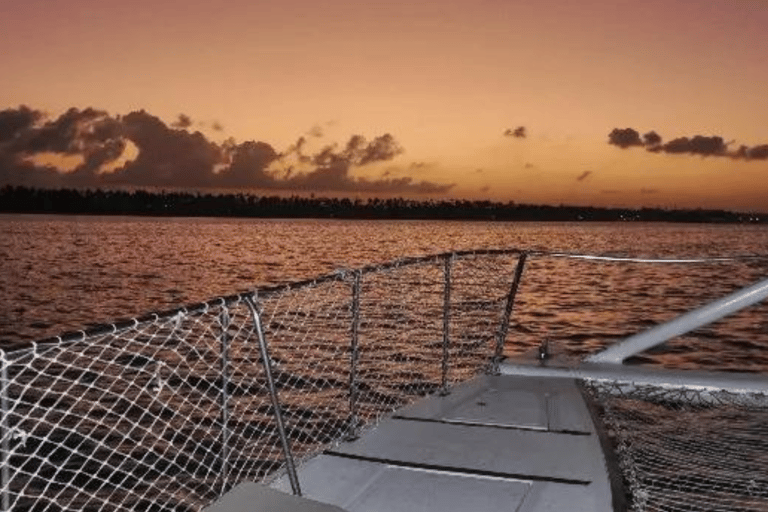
(459, 470)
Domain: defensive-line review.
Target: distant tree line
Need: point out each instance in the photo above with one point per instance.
(17, 199)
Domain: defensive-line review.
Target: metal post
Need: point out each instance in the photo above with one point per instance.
(5, 434)
(504, 326)
(224, 320)
(446, 321)
(716, 310)
(275, 399)
(354, 357)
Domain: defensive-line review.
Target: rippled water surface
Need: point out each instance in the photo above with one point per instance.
(65, 273)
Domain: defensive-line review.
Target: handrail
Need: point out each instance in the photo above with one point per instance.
(687, 322)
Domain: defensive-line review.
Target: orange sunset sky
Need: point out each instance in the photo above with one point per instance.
(478, 99)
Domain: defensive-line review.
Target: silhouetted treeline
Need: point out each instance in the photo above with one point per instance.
(15, 199)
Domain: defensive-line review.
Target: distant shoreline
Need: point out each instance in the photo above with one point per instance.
(15, 199)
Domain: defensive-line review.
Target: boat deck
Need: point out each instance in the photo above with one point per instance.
(495, 443)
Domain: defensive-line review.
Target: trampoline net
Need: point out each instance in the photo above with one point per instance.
(689, 450)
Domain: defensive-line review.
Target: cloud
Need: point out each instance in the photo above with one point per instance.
(652, 138)
(14, 121)
(316, 131)
(624, 137)
(529, 165)
(90, 134)
(519, 132)
(754, 153)
(166, 157)
(170, 156)
(333, 169)
(701, 145)
(182, 122)
(697, 145)
(248, 166)
(583, 176)
(418, 166)
(297, 149)
(649, 191)
(380, 149)
(359, 152)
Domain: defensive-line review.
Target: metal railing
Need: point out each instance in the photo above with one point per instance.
(170, 410)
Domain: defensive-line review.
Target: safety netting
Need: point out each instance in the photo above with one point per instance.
(169, 411)
(689, 449)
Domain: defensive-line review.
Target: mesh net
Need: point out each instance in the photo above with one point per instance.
(683, 449)
(169, 412)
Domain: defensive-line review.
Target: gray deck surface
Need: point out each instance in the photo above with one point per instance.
(496, 443)
(501, 443)
(250, 496)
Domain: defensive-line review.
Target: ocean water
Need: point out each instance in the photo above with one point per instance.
(64, 273)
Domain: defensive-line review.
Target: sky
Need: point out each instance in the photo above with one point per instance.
(605, 103)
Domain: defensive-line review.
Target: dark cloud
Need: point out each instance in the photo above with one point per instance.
(182, 122)
(166, 157)
(379, 149)
(70, 133)
(758, 152)
(624, 137)
(334, 166)
(529, 165)
(359, 152)
(217, 127)
(90, 134)
(297, 149)
(172, 157)
(336, 177)
(697, 145)
(583, 176)
(701, 145)
(248, 166)
(652, 139)
(519, 132)
(14, 121)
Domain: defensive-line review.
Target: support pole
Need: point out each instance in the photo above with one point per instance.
(5, 434)
(224, 321)
(354, 357)
(501, 336)
(716, 310)
(291, 466)
(446, 321)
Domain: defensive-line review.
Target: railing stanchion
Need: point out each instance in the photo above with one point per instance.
(291, 466)
(5, 450)
(446, 322)
(501, 336)
(224, 320)
(354, 356)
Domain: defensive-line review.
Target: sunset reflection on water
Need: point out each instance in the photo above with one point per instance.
(67, 273)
